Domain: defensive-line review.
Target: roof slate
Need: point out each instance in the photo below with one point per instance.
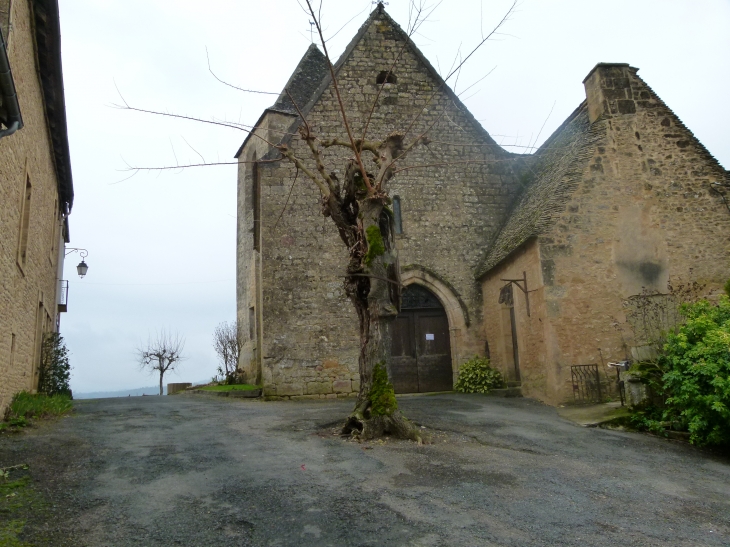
(303, 82)
(556, 171)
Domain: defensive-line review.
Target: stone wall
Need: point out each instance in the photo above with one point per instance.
(269, 128)
(640, 214)
(450, 211)
(28, 305)
(534, 336)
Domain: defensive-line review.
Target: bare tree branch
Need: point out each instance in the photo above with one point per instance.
(186, 166)
(193, 149)
(464, 60)
(345, 121)
(288, 197)
(234, 86)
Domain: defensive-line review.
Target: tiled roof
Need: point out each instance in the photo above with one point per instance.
(554, 173)
(304, 81)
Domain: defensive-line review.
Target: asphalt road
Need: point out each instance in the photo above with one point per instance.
(199, 471)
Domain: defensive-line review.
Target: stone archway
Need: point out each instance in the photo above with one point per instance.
(452, 305)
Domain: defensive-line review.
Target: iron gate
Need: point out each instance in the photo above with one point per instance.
(586, 384)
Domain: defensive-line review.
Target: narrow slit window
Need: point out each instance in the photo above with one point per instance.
(24, 225)
(12, 350)
(398, 219)
(256, 201)
(386, 77)
(54, 232)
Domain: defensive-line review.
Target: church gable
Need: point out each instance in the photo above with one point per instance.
(411, 84)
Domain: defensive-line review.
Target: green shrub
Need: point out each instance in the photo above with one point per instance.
(55, 369)
(25, 406)
(697, 381)
(476, 376)
(382, 394)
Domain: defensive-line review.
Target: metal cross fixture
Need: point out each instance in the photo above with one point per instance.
(523, 288)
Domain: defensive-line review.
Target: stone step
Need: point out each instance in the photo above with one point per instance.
(506, 392)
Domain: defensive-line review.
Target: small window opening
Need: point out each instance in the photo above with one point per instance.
(398, 219)
(386, 77)
(12, 350)
(252, 323)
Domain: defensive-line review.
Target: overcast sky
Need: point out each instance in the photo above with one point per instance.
(162, 246)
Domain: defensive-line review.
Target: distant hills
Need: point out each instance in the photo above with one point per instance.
(137, 392)
(151, 390)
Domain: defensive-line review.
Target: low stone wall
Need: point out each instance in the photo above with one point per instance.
(179, 386)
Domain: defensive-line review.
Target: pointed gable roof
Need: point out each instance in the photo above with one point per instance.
(302, 84)
(313, 69)
(304, 81)
(379, 15)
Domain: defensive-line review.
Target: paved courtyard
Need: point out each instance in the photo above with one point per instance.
(198, 471)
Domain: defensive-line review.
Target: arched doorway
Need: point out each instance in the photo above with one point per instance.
(421, 350)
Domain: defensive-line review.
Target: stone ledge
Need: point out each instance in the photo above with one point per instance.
(239, 394)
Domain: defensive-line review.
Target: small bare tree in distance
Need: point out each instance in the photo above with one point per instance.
(161, 354)
(227, 344)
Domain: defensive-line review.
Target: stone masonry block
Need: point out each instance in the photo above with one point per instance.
(319, 387)
(289, 389)
(342, 386)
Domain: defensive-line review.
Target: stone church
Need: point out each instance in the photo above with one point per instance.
(527, 259)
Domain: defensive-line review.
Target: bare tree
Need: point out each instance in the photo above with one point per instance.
(359, 206)
(161, 354)
(227, 344)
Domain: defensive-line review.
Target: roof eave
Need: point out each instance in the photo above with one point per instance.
(47, 30)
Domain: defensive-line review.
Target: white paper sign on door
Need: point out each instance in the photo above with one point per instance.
(429, 337)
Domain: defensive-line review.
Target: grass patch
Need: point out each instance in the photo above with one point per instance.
(18, 502)
(233, 387)
(27, 406)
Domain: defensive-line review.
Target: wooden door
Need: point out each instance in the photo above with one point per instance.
(421, 350)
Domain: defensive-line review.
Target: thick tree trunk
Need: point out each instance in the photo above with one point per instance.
(161, 374)
(359, 209)
(375, 292)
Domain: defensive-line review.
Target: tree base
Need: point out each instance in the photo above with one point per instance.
(395, 425)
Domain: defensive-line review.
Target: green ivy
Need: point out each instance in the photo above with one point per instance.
(382, 394)
(477, 376)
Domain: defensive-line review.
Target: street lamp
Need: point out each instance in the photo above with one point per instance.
(83, 267)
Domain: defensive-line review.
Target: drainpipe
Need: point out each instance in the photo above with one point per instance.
(14, 120)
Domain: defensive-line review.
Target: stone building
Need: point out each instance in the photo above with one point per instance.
(620, 198)
(36, 190)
